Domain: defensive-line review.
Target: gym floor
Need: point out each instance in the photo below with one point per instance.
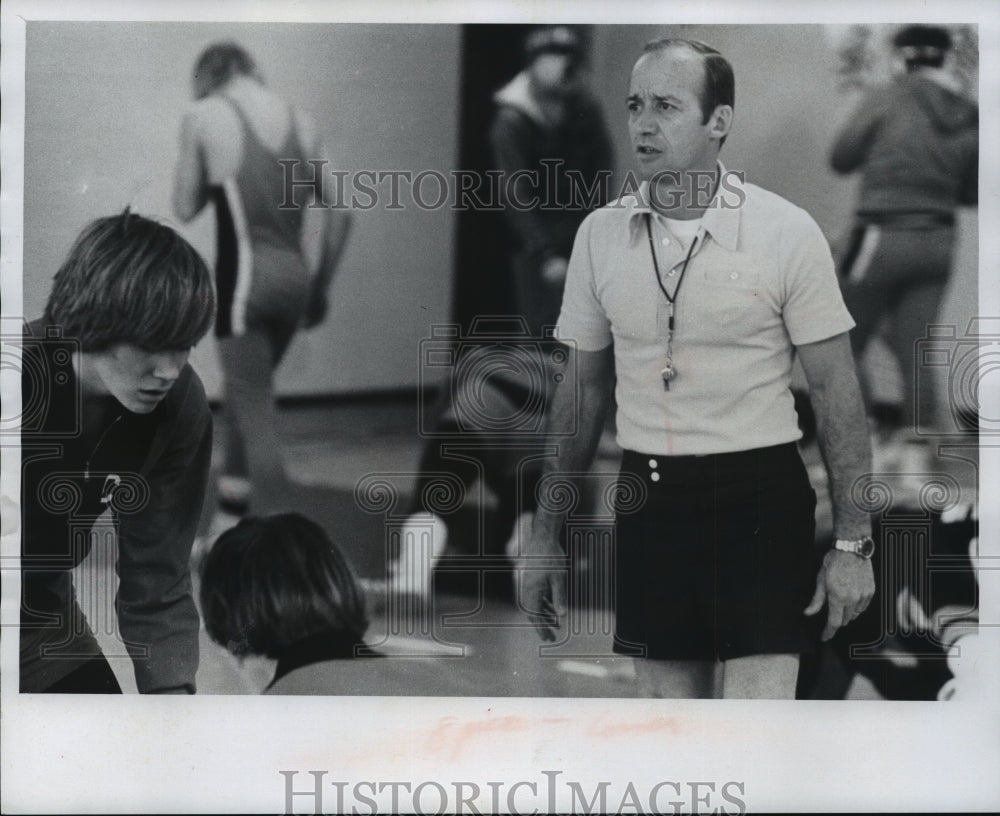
(469, 622)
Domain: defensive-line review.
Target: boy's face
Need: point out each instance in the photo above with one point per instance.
(137, 378)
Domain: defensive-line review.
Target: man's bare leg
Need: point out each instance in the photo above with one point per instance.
(760, 677)
(677, 679)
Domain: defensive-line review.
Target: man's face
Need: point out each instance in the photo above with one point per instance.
(138, 379)
(665, 116)
(552, 71)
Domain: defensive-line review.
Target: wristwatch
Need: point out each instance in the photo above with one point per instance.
(864, 547)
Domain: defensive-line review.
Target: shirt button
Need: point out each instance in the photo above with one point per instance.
(666, 242)
(652, 463)
(654, 476)
(734, 275)
(671, 273)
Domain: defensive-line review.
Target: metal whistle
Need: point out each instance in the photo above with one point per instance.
(668, 373)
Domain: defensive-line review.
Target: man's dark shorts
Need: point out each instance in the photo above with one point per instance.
(719, 562)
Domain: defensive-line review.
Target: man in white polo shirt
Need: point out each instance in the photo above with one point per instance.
(695, 295)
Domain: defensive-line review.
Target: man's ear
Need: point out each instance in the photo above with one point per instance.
(720, 121)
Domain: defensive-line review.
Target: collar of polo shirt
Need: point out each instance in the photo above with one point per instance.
(721, 219)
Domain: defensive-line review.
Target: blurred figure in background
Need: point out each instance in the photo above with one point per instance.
(915, 143)
(549, 139)
(548, 125)
(275, 257)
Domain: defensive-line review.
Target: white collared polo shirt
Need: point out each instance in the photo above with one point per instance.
(759, 282)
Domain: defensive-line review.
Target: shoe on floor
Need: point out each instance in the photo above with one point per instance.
(234, 494)
(423, 539)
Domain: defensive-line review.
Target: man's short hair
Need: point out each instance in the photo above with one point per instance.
(272, 581)
(922, 45)
(719, 86)
(218, 64)
(129, 279)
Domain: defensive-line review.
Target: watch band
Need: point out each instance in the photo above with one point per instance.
(864, 547)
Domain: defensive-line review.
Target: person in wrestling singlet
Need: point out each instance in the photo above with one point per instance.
(241, 145)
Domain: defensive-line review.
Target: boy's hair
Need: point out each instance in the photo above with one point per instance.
(269, 582)
(218, 64)
(129, 279)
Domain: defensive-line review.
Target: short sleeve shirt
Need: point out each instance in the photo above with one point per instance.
(759, 282)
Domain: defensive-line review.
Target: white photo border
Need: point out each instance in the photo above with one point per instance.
(226, 754)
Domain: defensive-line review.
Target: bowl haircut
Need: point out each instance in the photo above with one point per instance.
(271, 581)
(129, 279)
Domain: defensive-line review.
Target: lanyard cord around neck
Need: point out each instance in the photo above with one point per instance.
(659, 277)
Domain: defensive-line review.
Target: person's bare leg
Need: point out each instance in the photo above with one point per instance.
(676, 679)
(760, 677)
(249, 395)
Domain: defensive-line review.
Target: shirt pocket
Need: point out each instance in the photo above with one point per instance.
(735, 302)
(736, 288)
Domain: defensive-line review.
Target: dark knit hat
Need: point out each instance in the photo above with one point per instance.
(921, 37)
(552, 40)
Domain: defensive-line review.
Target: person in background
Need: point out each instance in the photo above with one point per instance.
(549, 139)
(115, 422)
(550, 143)
(241, 146)
(915, 144)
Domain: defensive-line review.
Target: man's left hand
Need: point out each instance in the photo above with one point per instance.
(846, 585)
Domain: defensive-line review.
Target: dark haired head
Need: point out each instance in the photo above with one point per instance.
(129, 279)
(269, 582)
(218, 64)
(922, 46)
(552, 40)
(719, 86)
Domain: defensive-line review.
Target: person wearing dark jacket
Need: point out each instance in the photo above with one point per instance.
(115, 427)
(550, 141)
(550, 145)
(916, 144)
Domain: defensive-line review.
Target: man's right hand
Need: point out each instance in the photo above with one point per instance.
(543, 597)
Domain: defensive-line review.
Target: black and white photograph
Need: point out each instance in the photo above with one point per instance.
(501, 408)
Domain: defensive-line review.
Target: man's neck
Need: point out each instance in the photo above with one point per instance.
(241, 86)
(686, 195)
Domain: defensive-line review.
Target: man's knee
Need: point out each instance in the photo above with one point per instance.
(761, 677)
(676, 679)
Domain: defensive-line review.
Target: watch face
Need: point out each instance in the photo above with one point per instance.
(866, 547)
